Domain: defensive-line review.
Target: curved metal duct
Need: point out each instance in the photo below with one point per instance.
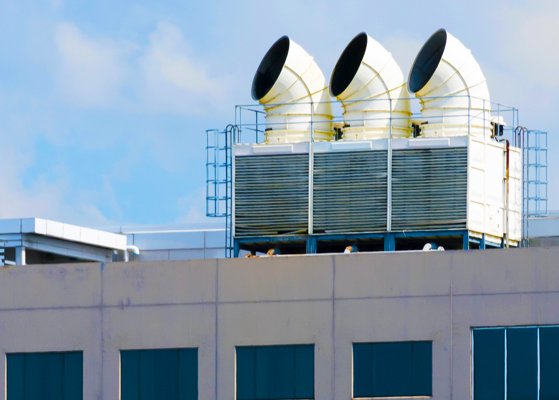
(293, 89)
(452, 89)
(368, 81)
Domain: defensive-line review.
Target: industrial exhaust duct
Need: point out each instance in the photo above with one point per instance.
(370, 84)
(293, 90)
(451, 87)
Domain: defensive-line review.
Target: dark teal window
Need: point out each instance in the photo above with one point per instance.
(45, 376)
(275, 372)
(516, 363)
(522, 364)
(489, 364)
(549, 363)
(170, 374)
(392, 369)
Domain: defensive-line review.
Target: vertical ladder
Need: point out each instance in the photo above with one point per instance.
(534, 154)
(219, 179)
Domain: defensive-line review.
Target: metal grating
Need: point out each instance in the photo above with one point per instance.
(271, 194)
(350, 192)
(429, 189)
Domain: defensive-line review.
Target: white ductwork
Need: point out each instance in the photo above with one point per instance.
(372, 89)
(134, 249)
(452, 89)
(293, 90)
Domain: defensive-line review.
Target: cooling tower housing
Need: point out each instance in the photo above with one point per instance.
(451, 88)
(372, 89)
(293, 90)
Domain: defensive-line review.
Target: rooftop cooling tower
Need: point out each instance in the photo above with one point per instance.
(293, 90)
(369, 83)
(451, 87)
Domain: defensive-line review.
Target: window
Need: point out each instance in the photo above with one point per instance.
(516, 363)
(45, 376)
(275, 372)
(170, 374)
(489, 363)
(392, 369)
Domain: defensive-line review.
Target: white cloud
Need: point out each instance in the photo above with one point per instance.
(91, 71)
(166, 77)
(531, 46)
(173, 79)
(41, 198)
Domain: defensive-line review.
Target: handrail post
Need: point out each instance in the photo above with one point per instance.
(312, 125)
(311, 176)
(389, 177)
(469, 117)
(483, 119)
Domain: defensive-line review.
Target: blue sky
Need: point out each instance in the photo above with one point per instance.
(104, 105)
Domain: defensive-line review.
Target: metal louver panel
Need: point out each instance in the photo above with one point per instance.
(429, 189)
(271, 194)
(350, 192)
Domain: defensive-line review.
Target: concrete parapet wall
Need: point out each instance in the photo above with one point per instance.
(326, 300)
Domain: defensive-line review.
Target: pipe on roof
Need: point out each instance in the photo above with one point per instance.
(372, 89)
(451, 88)
(134, 249)
(293, 90)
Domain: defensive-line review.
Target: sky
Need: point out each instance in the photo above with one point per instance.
(104, 105)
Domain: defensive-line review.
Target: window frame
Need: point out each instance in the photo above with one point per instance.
(61, 352)
(313, 345)
(120, 351)
(388, 397)
(505, 366)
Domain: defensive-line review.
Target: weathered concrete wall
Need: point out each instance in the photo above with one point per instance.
(331, 301)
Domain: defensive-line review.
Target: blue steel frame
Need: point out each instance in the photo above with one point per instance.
(389, 239)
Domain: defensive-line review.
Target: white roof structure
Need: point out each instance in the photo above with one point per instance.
(30, 239)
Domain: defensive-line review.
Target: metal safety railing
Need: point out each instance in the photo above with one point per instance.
(253, 127)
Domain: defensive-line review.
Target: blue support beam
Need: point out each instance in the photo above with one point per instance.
(311, 242)
(428, 234)
(466, 240)
(350, 236)
(482, 242)
(389, 242)
(312, 245)
(236, 249)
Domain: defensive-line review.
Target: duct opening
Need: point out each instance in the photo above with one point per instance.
(348, 64)
(427, 61)
(270, 68)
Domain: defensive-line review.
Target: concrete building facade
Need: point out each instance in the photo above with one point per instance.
(330, 301)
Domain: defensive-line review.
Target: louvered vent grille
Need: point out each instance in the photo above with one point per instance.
(271, 194)
(429, 189)
(350, 192)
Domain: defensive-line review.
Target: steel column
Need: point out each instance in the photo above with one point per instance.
(389, 242)
(311, 245)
